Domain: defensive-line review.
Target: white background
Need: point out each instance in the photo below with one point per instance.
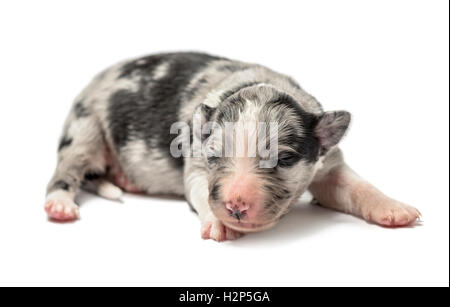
(385, 61)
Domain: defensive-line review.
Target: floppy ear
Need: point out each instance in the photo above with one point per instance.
(205, 112)
(330, 129)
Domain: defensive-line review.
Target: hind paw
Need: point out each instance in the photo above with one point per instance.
(394, 214)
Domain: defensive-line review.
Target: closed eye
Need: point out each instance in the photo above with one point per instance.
(287, 158)
(212, 161)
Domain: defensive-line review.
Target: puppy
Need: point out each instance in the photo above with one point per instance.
(239, 141)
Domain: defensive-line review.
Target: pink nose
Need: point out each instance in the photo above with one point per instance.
(237, 208)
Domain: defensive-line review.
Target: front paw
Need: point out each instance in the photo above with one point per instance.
(60, 206)
(393, 214)
(62, 209)
(214, 229)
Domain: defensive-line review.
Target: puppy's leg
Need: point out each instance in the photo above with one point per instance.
(81, 151)
(336, 186)
(196, 185)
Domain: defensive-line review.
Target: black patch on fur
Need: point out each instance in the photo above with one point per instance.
(212, 160)
(306, 145)
(80, 110)
(93, 175)
(229, 110)
(148, 113)
(294, 83)
(60, 185)
(214, 192)
(236, 89)
(65, 142)
(288, 158)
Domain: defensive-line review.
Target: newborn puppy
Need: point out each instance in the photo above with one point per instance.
(239, 141)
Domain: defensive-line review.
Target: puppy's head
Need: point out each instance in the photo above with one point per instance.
(260, 149)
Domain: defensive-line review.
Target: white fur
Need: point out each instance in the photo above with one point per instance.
(161, 71)
(108, 190)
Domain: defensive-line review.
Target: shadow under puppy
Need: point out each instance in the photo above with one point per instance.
(161, 125)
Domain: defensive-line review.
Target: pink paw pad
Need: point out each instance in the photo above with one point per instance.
(395, 215)
(62, 210)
